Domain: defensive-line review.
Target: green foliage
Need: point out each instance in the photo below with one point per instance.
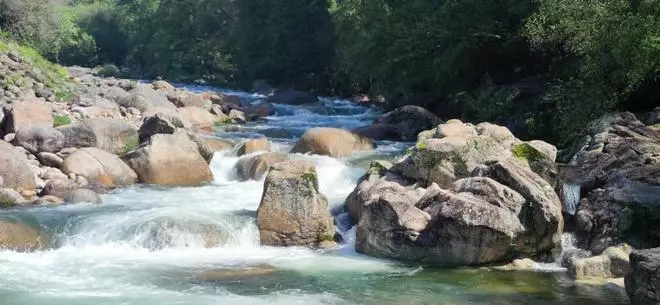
(61, 120)
(108, 70)
(129, 145)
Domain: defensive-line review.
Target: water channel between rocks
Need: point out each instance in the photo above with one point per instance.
(150, 245)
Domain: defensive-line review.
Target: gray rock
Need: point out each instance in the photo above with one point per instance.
(144, 97)
(401, 124)
(50, 159)
(84, 196)
(292, 210)
(643, 283)
(40, 138)
(99, 166)
(60, 188)
(10, 197)
(255, 167)
(113, 135)
(28, 112)
(169, 160)
(612, 263)
(15, 170)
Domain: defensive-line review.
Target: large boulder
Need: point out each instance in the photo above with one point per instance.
(15, 171)
(401, 124)
(28, 112)
(332, 142)
(197, 117)
(456, 149)
(617, 165)
(40, 138)
(255, 167)
(113, 135)
(99, 166)
(144, 97)
(169, 159)
(612, 263)
(292, 210)
(643, 283)
(60, 188)
(158, 123)
(182, 99)
(461, 196)
(292, 97)
(254, 145)
(83, 196)
(19, 237)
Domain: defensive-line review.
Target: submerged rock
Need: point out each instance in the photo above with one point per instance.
(292, 210)
(84, 196)
(332, 142)
(255, 167)
(169, 160)
(19, 237)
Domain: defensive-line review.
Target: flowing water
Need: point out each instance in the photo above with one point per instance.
(156, 245)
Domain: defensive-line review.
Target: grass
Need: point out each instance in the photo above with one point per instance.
(525, 151)
(61, 120)
(129, 145)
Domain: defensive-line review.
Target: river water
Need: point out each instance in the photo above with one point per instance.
(148, 245)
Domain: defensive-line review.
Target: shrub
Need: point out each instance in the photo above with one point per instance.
(61, 120)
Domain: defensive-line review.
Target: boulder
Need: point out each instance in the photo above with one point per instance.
(292, 210)
(19, 237)
(614, 262)
(197, 117)
(84, 196)
(401, 124)
(169, 160)
(219, 98)
(254, 145)
(255, 167)
(99, 166)
(112, 135)
(40, 138)
(191, 100)
(163, 86)
(9, 198)
(204, 149)
(643, 283)
(115, 94)
(15, 171)
(144, 97)
(219, 145)
(617, 165)
(332, 142)
(237, 117)
(28, 112)
(292, 97)
(60, 188)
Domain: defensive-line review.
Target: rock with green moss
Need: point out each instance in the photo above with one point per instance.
(113, 135)
(292, 211)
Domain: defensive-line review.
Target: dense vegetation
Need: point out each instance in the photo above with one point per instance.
(543, 67)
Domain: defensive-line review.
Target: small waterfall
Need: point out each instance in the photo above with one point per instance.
(571, 197)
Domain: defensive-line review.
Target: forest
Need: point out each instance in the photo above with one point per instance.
(542, 67)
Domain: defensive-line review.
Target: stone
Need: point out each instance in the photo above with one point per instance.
(9, 198)
(19, 237)
(332, 142)
(169, 160)
(60, 188)
(292, 210)
(204, 149)
(254, 145)
(237, 116)
(40, 138)
(643, 283)
(28, 112)
(99, 166)
(112, 135)
(617, 165)
(292, 97)
(455, 128)
(84, 196)
(144, 97)
(500, 134)
(192, 100)
(219, 145)
(255, 167)
(278, 133)
(197, 117)
(15, 170)
(614, 262)
(401, 124)
(163, 86)
(49, 200)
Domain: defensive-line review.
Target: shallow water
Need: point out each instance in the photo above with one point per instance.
(148, 245)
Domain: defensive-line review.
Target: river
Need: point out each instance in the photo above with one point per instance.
(145, 245)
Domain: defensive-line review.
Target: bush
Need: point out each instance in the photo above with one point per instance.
(108, 70)
(61, 120)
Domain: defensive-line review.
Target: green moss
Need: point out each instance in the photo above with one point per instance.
(525, 151)
(310, 177)
(61, 120)
(129, 145)
(421, 146)
(5, 201)
(325, 237)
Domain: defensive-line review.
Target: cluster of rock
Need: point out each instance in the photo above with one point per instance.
(463, 195)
